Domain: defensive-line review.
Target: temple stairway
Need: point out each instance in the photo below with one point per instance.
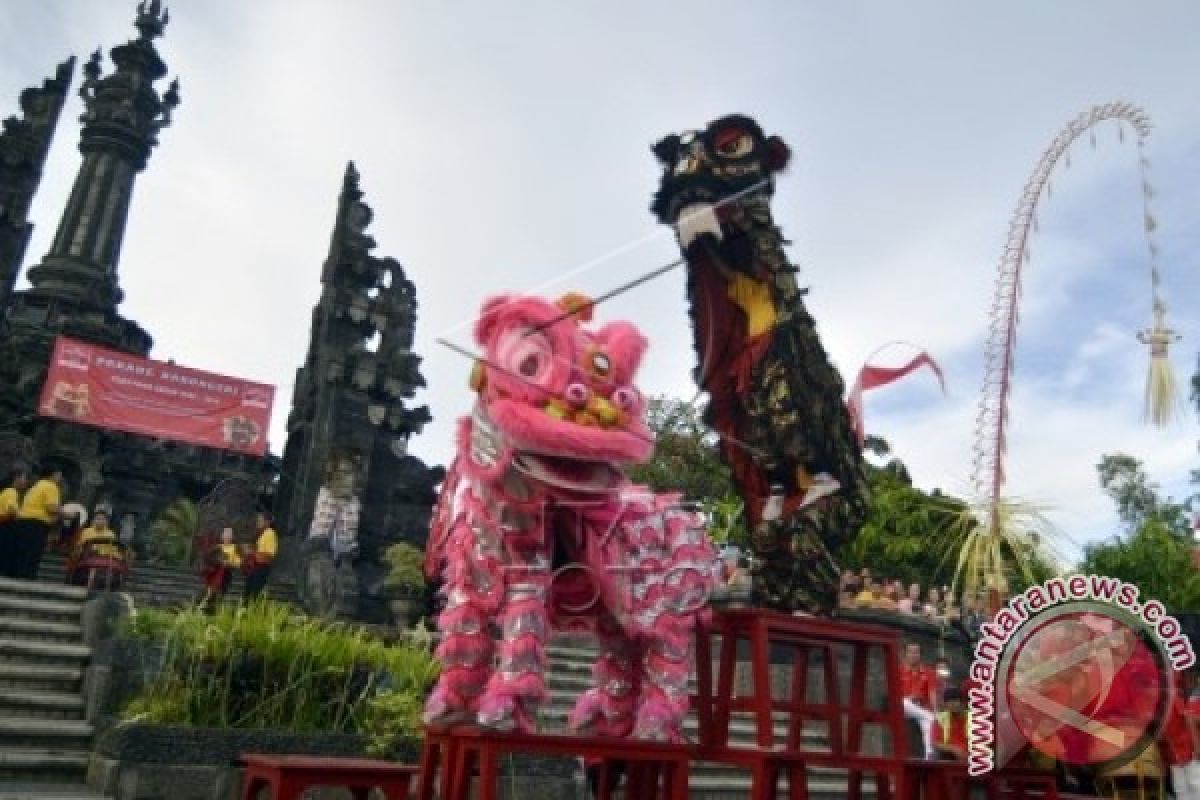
(44, 740)
(571, 662)
(167, 587)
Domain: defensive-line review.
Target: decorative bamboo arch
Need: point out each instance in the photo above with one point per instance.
(991, 428)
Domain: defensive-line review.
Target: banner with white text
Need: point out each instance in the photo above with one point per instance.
(93, 385)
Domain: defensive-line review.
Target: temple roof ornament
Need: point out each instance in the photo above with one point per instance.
(124, 109)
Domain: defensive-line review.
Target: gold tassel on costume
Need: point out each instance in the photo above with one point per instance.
(1162, 390)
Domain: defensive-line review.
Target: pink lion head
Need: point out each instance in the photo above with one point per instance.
(557, 388)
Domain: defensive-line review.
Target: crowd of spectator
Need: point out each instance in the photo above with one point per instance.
(862, 590)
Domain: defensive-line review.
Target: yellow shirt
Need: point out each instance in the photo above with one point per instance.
(10, 501)
(754, 299)
(40, 502)
(268, 543)
(230, 555)
(101, 543)
(93, 535)
(865, 598)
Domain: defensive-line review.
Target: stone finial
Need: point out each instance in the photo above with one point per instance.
(151, 19)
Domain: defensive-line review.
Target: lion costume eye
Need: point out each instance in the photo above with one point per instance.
(733, 143)
(601, 365)
(526, 355)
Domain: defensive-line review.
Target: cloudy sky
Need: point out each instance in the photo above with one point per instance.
(504, 145)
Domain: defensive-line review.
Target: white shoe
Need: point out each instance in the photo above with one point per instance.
(823, 485)
(773, 509)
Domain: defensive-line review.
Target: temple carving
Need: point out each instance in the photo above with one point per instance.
(350, 421)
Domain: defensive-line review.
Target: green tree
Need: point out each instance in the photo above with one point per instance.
(686, 460)
(1137, 498)
(1156, 552)
(905, 535)
(685, 456)
(170, 538)
(1155, 559)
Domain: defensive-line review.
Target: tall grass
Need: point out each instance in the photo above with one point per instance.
(264, 666)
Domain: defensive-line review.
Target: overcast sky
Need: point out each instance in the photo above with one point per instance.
(503, 145)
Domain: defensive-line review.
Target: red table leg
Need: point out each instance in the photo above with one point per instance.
(288, 788)
(704, 686)
(253, 783)
(725, 681)
(489, 774)
(760, 665)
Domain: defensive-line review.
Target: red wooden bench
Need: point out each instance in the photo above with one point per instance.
(655, 771)
(287, 777)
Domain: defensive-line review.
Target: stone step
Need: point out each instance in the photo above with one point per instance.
(32, 764)
(26, 790)
(20, 628)
(737, 786)
(167, 586)
(21, 650)
(48, 589)
(22, 703)
(30, 607)
(38, 733)
(741, 731)
(40, 677)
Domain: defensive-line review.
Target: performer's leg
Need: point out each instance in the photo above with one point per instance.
(518, 686)
(666, 666)
(607, 709)
(466, 652)
(665, 610)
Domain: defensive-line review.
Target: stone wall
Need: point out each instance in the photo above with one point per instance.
(159, 762)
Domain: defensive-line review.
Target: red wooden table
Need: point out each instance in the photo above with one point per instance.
(795, 640)
(288, 777)
(655, 771)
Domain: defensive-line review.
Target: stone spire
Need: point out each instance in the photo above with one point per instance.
(123, 114)
(350, 401)
(24, 143)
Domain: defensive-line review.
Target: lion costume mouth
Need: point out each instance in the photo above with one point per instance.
(569, 473)
(695, 220)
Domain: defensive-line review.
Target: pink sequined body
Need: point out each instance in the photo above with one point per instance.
(538, 530)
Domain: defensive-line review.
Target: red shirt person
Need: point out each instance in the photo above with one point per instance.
(918, 686)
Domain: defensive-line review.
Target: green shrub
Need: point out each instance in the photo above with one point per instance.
(169, 540)
(264, 666)
(406, 568)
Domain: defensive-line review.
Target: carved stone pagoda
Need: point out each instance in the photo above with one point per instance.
(75, 289)
(349, 407)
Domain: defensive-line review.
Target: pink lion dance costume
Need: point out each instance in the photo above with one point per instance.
(537, 529)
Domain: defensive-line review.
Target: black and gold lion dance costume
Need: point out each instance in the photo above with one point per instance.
(774, 397)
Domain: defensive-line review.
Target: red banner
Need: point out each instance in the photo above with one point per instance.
(96, 386)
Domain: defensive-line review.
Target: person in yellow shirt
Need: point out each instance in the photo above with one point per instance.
(223, 559)
(35, 518)
(97, 554)
(257, 567)
(10, 503)
(868, 597)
